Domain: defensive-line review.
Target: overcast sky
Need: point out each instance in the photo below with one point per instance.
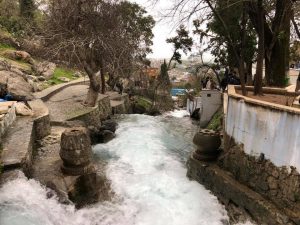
(164, 28)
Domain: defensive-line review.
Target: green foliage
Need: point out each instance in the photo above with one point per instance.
(11, 20)
(216, 122)
(231, 13)
(27, 8)
(163, 76)
(145, 102)
(294, 51)
(182, 41)
(61, 72)
(187, 86)
(6, 47)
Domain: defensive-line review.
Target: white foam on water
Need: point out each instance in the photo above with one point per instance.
(178, 113)
(146, 174)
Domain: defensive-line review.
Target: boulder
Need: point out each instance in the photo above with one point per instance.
(64, 79)
(138, 109)
(3, 109)
(19, 55)
(23, 110)
(15, 85)
(77, 74)
(107, 136)
(32, 78)
(109, 125)
(41, 78)
(34, 86)
(45, 69)
(99, 135)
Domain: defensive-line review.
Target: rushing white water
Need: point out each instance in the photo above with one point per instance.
(146, 167)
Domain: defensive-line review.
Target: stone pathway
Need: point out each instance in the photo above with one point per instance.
(68, 102)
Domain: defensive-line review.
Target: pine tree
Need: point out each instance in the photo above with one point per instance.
(27, 8)
(164, 76)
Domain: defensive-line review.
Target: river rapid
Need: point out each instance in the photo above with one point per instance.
(147, 171)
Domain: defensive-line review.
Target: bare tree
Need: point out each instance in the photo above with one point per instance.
(98, 35)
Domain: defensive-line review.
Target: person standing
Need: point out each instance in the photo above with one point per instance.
(298, 83)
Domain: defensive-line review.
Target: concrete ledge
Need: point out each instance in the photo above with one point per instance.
(223, 185)
(19, 142)
(232, 93)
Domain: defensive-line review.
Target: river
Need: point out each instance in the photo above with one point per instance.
(146, 167)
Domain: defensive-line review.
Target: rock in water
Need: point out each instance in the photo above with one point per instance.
(109, 125)
(76, 151)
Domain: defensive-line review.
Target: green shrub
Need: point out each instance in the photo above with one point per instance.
(61, 72)
(216, 122)
(146, 103)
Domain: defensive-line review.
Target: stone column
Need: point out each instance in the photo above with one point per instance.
(76, 152)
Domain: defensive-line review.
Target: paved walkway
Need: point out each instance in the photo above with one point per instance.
(68, 102)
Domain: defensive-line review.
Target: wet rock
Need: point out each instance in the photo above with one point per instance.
(109, 125)
(196, 114)
(107, 136)
(138, 109)
(153, 112)
(89, 189)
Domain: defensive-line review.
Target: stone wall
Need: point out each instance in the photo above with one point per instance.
(93, 116)
(264, 128)
(104, 108)
(248, 205)
(280, 185)
(261, 149)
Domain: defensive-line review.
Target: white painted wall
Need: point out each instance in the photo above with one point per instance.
(211, 102)
(273, 132)
(192, 105)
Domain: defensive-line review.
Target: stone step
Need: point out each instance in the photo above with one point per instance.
(17, 145)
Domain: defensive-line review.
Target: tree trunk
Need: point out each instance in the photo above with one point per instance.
(94, 88)
(102, 74)
(249, 74)
(232, 45)
(261, 50)
(241, 60)
(92, 97)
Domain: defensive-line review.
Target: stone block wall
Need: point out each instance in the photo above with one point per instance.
(7, 119)
(280, 185)
(104, 108)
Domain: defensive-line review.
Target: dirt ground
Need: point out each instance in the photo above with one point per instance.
(272, 98)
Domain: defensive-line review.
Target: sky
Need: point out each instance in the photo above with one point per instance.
(164, 28)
